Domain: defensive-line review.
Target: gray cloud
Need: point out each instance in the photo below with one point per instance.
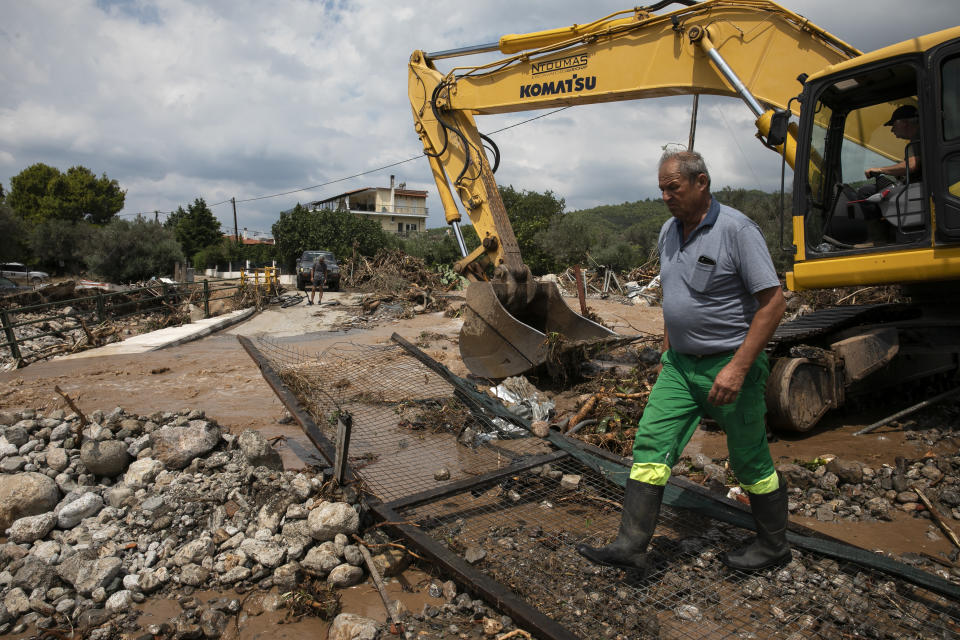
(182, 99)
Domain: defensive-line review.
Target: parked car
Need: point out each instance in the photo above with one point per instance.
(21, 274)
(9, 286)
(305, 264)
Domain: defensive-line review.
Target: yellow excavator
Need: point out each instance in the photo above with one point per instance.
(819, 103)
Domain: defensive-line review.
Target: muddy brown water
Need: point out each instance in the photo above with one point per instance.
(217, 375)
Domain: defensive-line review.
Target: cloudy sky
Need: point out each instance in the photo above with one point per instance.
(246, 99)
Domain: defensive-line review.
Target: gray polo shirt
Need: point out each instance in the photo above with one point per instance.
(710, 280)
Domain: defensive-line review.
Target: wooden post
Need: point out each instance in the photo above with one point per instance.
(11, 336)
(344, 426)
(101, 308)
(206, 299)
(581, 293)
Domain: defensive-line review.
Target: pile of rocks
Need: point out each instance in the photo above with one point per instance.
(838, 489)
(100, 516)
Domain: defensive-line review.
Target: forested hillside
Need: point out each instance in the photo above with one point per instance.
(623, 236)
(618, 236)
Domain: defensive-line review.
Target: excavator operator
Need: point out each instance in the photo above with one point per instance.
(905, 124)
(721, 304)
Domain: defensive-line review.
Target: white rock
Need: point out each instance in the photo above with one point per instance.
(119, 602)
(142, 472)
(31, 528)
(131, 582)
(87, 505)
(331, 518)
(350, 626)
(269, 554)
(345, 575)
(320, 562)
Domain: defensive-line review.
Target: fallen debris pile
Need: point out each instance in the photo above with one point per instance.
(43, 336)
(62, 319)
(393, 276)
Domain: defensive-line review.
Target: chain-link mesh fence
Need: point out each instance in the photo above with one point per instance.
(415, 433)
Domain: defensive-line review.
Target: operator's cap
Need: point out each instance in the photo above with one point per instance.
(902, 112)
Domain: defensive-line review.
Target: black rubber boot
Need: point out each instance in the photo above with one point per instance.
(770, 547)
(641, 506)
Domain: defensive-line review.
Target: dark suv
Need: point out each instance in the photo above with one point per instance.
(305, 264)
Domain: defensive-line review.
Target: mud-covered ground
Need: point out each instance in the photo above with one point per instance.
(217, 375)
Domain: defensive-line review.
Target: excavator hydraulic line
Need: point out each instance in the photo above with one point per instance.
(699, 35)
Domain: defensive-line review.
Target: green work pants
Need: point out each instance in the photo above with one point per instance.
(677, 403)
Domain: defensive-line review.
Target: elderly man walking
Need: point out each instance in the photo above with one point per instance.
(721, 304)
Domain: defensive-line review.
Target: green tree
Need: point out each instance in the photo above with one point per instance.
(219, 254)
(195, 228)
(131, 251)
(300, 230)
(437, 247)
(41, 192)
(62, 247)
(531, 213)
(569, 238)
(13, 235)
(764, 209)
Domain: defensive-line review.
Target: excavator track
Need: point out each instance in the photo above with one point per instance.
(824, 322)
(827, 358)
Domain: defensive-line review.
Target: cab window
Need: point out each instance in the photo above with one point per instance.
(852, 134)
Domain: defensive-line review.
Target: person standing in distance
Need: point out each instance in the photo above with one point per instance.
(318, 276)
(721, 304)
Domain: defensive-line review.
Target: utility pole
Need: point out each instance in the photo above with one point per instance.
(236, 236)
(693, 121)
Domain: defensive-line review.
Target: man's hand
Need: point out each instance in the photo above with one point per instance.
(727, 384)
(872, 172)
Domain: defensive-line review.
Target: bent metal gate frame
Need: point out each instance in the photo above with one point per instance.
(508, 509)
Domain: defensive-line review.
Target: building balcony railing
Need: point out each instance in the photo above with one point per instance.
(399, 210)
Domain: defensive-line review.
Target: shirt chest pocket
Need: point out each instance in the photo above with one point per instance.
(701, 275)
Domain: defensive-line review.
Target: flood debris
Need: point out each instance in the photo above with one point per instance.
(182, 506)
(74, 321)
(392, 276)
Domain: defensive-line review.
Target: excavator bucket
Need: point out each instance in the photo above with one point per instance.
(495, 343)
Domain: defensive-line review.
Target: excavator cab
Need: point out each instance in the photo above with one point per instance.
(893, 228)
(876, 202)
(854, 132)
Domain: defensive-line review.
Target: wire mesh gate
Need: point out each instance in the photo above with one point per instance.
(504, 511)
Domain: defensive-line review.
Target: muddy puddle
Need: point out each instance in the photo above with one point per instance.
(261, 619)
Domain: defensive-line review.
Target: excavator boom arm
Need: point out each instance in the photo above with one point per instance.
(751, 48)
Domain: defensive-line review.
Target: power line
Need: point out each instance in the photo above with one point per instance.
(350, 177)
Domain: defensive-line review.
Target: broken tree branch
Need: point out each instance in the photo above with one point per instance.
(936, 516)
(908, 411)
(584, 410)
(396, 626)
(73, 407)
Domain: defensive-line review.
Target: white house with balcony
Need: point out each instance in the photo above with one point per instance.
(396, 208)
